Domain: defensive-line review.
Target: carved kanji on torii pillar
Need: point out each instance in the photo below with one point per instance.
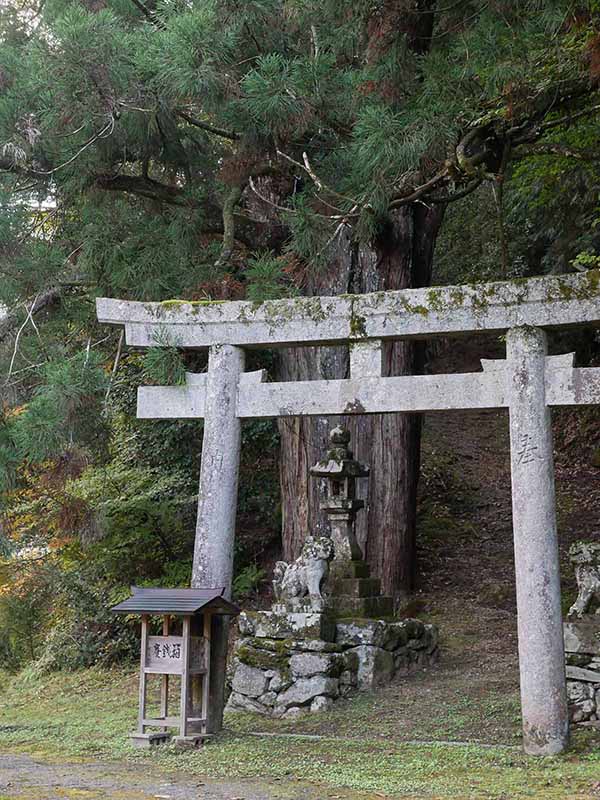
(528, 383)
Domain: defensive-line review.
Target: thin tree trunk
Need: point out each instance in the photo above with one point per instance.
(389, 443)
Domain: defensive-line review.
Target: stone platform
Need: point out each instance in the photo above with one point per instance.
(279, 674)
(327, 634)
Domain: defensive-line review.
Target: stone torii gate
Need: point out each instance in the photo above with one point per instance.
(528, 383)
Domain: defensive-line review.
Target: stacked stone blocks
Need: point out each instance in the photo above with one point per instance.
(283, 676)
(582, 652)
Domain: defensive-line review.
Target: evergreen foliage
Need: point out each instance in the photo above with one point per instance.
(216, 150)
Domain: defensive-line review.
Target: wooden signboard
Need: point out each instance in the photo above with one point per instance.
(164, 655)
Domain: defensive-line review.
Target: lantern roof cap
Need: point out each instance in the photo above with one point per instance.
(145, 600)
(339, 461)
(345, 468)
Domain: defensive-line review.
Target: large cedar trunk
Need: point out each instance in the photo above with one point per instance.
(389, 443)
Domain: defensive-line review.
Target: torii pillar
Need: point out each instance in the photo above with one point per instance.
(541, 651)
(217, 504)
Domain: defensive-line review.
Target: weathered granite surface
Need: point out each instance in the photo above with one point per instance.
(582, 636)
(282, 624)
(543, 689)
(548, 301)
(300, 583)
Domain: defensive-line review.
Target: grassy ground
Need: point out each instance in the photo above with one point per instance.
(87, 715)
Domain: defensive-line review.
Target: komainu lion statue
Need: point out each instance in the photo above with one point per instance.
(586, 558)
(306, 575)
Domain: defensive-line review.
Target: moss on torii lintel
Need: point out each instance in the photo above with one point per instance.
(437, 300)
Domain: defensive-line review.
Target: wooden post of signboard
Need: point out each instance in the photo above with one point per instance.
(206, 676)
(199, 678)
(185, 676)
(196, 679)
(164, 686)
(142, 699)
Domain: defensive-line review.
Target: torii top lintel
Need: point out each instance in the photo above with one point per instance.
(545, 302)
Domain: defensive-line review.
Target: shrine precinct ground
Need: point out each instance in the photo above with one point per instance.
(528, 382)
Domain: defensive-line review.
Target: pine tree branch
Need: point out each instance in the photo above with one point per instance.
(106, 130)
(229, 205)
(8, 165)
(147, 187)
(416, 194)
(451, 198)
(319, 183)
(247, 230)
(550, 149)
(266, 199)
(28, 318)
(205, 126)
(535, 132)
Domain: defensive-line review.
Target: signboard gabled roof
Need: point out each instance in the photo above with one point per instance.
(175, 601)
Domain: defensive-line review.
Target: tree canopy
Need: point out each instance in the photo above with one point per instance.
(152, 149)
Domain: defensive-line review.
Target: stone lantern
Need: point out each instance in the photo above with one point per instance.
(351, 590)
(339, 471)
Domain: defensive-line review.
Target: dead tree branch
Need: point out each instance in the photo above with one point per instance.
(40, 302)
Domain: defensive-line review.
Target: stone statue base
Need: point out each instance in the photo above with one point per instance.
(283, 624)
(313, 648)
(330, 630)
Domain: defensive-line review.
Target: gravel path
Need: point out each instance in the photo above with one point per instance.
(22, 776)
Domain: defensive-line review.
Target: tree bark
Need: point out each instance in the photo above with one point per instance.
(389, 443)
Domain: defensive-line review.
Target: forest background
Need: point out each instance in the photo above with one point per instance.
(223, 150)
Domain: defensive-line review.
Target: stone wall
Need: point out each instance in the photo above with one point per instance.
(277, 674)
(582, 653)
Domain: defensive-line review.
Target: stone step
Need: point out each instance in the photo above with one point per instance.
(355, 587)
(579, 674)
(370, 607)
(348, 569)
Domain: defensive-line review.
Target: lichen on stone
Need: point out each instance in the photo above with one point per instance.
(579, 287)
(358, 325)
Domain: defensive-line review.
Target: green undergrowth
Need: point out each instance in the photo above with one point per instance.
(88, 715)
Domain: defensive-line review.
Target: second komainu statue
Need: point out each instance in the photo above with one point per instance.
(585, 556)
